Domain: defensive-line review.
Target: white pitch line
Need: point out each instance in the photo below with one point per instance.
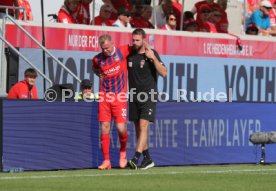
(136, 173)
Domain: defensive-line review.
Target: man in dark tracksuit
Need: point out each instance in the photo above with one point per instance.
(144, 64)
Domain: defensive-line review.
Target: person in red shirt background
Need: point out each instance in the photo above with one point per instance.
(14, 13)
(82, 14)
(177, 9)
(137, 19)
(196, 9)
(222, 25)
(272, 16)
(203, 21)
(103, 19)
(171, 20)
(65, 14)
(25, 4)
(26, 88)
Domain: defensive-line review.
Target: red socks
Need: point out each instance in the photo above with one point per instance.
(105, 143)
(123, 141)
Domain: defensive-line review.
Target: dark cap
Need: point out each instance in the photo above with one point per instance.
(123, 11)
(86, 83)
(189, 22)
(252, 27)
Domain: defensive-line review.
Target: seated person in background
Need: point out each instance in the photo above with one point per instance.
(147, 13)
(160, 11)
(252, 29)
(196, 9)
(261, 18)
(103, 19)
(15, 13)
(26, 88)
(190, 25)
(177, 9)
(137, 19)
(170, 22)
(251, 6)
(82, 14)
(118, 4)
(203, 21)
(188, 15)
(25, 4)
(214, 19)
(272, 16)
(86, 90)
(222, 25)
(67, 11)
(123, 20)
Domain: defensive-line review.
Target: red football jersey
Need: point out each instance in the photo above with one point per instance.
(113, 70)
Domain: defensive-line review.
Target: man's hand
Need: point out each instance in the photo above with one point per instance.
(148, 51)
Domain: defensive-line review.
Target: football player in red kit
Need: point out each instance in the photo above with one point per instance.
(110, 66)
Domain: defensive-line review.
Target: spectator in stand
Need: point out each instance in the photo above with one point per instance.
(222, 25)
(26, 88)
(86, 91)
(272, 16)
(196, 8)
(147, 13)
(190, 25)
(25, 4)
(159, 17)
(252, 6)
(123, 20)
(261, 18)
(188, 15)
(103, 19)
(118, 4)
(203, 23)
(252, 29)
(137, 19)
(82, 14)
(114, 13)
(170, 22)
(67, 11)
(15, 13)
(214, 19)
(177, 9)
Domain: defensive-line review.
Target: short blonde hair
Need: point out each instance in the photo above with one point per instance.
(105, 37)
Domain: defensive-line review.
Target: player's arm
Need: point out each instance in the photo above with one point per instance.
(160, 67)
(95, 67)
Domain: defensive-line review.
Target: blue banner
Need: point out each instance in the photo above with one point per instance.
(38, 135)
(188, 77)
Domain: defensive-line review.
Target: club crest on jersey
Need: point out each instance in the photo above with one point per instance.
(129, 64)
(142, 63)
(116, 58)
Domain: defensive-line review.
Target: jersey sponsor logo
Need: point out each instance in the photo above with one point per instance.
(116, 58)
(111, 71)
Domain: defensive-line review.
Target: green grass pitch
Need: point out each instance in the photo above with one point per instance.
(245, 177)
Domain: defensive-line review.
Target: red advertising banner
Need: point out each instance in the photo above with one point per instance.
(87, 40)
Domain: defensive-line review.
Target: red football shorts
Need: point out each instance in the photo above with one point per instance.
(113, 105)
